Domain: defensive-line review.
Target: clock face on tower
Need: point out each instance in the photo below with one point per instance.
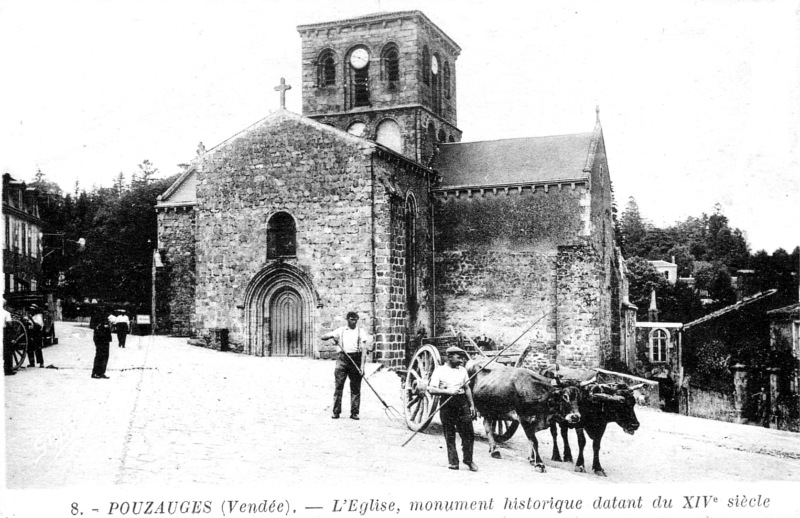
(359, 58)
(434, 65)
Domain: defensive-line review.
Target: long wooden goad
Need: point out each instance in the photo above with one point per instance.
(430, 418)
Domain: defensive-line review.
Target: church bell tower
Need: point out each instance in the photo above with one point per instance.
(387, 77)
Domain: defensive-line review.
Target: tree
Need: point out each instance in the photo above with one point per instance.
(119, 184)
(632, 229)
(145, 174)
(643, 279)
(45, 187)
(715, 280)
(683, 258)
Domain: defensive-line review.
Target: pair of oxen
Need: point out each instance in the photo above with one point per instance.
(570, 398)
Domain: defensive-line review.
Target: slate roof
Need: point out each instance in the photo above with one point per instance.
(515, 161)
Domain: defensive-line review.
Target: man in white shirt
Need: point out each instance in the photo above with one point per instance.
(122, 326)
(35, 333)
(451, 380)
(353, 342)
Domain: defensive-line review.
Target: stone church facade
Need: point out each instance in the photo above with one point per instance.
(368, 201)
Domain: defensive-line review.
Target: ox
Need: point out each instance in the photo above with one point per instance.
(599, 404)
(504, 393)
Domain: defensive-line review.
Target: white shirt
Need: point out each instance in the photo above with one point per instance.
(446, 377)
(7, 317)
(123, 319)
(351, 340)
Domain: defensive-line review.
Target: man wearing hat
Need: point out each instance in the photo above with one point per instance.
(353, 344)
(102, 338)
(122, 325)
(451, 380)
(35, 327)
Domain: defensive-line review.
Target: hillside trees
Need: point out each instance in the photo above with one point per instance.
(119, 227)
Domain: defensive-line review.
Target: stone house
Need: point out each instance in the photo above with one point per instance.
(22, 228)
(369, 201)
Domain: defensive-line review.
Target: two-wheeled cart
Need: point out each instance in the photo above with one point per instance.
(419, 405)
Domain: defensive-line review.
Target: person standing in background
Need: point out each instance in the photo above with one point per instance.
(102, 338)
(122, 326)
(35, 329)
(8, 351)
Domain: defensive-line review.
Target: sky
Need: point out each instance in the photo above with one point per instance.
(699, 101)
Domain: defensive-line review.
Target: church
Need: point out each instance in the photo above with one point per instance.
(369, 201)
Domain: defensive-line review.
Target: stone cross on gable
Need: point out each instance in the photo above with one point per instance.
(282, 89)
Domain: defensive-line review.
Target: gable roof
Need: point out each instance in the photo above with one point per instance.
(558, 158)
(733, 307)
(791, 311)
(183, 191)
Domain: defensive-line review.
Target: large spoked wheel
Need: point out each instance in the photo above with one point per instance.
(504, 430)
(18, 339)
(418, 404)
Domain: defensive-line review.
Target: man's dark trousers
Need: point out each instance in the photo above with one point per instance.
(8, 351)
(121, 335)
(346, 369)
(100, 359)
(35, 348)
(456, 417)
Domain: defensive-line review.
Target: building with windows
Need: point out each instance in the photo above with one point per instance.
(668, 269)
(22, 228)
(370, 202)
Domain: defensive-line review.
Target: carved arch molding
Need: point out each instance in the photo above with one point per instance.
(280, 310)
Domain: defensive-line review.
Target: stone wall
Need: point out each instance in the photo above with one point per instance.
(413, 123)
(581, 324)
(499, 294)
(532, 220)
(496, 258)
(504, 260)
(319, 176)
(408, 101)
(409, 33)
(350, 237)
(602, 238)
(401, 196)
(175, 281)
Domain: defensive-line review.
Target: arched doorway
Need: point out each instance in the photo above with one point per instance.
(280, 313)
(286, 323)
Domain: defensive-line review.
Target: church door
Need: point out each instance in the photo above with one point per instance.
(279, 311)
(286, 323)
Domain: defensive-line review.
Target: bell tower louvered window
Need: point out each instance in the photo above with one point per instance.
(326, 69)
(390, 59)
